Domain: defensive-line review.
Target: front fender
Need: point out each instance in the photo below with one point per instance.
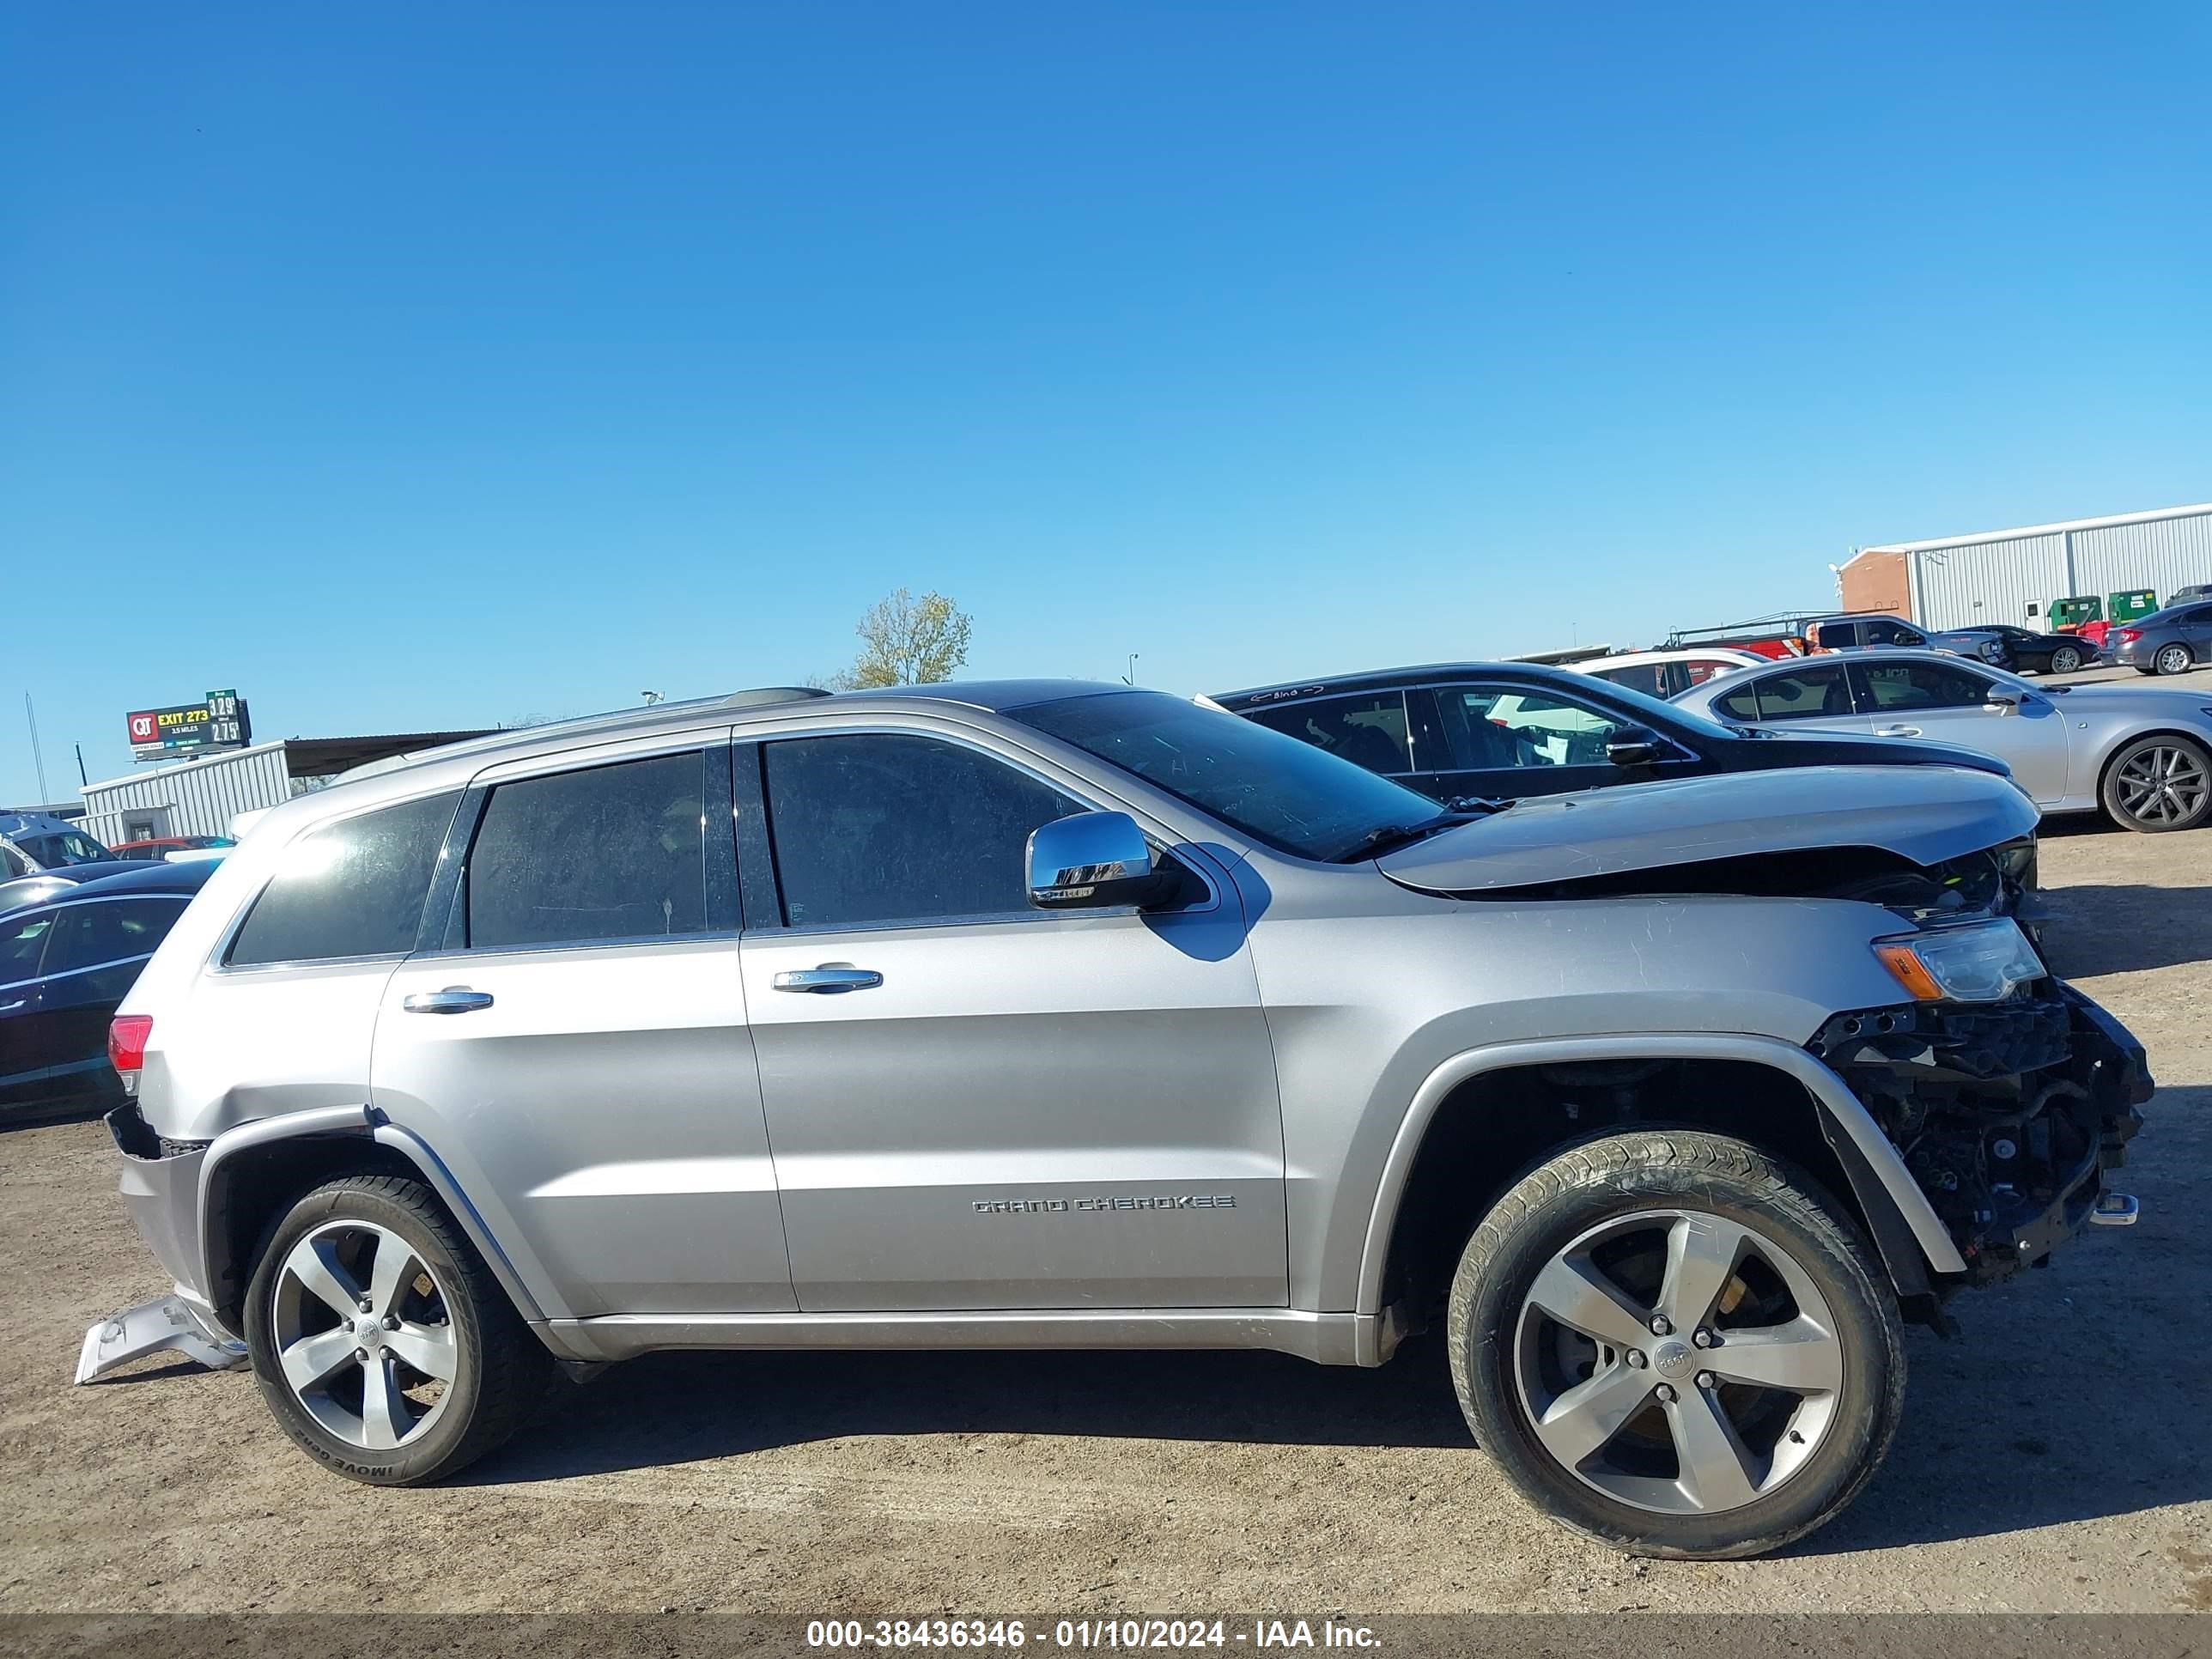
(1879, 1179)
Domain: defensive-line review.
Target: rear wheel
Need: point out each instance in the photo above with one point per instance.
(2159, 783)
(2172, 659)
(382, 1343)
(2065, 660)
(1673, 1344)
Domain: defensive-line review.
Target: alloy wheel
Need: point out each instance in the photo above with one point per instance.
(2065, 660)
(1678, 1362)
(362, 1334)
(2173, 659)
(2161, 785)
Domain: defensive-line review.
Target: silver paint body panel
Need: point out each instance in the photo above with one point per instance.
(655, 1148)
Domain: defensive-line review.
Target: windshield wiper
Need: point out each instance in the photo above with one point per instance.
(1388, 838)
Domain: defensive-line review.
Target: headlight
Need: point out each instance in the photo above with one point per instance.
(1982, 961)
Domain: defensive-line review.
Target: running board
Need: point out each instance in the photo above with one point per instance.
(1331, 1339)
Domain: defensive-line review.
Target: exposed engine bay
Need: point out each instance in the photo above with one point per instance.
(2008, 1113)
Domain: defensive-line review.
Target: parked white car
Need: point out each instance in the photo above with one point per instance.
(1668, 673)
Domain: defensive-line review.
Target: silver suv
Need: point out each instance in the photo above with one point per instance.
(1050, 1015)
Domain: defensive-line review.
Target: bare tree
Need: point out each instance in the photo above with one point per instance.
(909, 642)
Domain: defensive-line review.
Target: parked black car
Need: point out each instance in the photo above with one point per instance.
(1504, 731)
(2024, 651)
(2169, 641)
(64, 965)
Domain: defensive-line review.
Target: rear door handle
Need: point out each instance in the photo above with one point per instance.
(1897, 731)
(829, 977)
(453, 999)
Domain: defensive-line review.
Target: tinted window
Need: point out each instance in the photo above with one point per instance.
(1833, 636)
(1505, 725)
(617, 852)
(1649, 678)
(62, 849)
(1932, 685)
(876, 827)
(112, 930)
(1368, 730)
(23, 940)
(1802, 694)
(353, 889)
(1890, 633)
(1276, 790)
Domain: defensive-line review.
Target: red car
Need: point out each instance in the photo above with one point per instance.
(161, 846)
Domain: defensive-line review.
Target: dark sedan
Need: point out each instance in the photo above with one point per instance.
(2022, 650)
(64, 965)
(2169, 641)
(1504, 731)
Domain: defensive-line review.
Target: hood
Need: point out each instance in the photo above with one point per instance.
(1924, 813)
(2157, 699)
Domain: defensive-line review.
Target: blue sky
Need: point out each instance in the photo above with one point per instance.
(409, 367)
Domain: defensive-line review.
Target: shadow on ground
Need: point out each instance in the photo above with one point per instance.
(2076, 1394)
(2119, 930)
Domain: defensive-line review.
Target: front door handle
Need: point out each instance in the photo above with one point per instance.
(1897, 731)
(829, 977)
(453, 999)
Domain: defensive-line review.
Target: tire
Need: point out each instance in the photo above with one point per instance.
(2173, 659)
(451, 1315)
(1605, 1214)
(2063, 660)
(2158, 783)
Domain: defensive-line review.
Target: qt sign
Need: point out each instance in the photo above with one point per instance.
(219, 721)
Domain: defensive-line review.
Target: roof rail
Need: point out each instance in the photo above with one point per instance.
(760, 696)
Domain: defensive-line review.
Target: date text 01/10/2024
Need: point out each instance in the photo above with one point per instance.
(1086, 1633)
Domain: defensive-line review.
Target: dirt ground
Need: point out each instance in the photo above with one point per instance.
(2058, 1458)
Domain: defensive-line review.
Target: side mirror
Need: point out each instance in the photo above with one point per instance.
(1093, 860)
(2002, 705)
(1632, 745)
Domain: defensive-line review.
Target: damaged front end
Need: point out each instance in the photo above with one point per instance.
(2008, 1113)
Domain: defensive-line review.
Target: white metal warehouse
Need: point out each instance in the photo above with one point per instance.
(203, 797)
(2012, 576)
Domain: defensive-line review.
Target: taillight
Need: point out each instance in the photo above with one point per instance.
(126, 1042)
(2129, 635)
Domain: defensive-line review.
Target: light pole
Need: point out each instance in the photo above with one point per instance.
(1130, 679)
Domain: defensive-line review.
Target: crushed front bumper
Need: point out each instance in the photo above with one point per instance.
(2008, 1115)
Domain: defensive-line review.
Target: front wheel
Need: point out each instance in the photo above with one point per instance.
(2159, 783)
(1673, 1344)
(382, 1343)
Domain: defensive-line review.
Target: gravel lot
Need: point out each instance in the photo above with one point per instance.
(2059, 1458)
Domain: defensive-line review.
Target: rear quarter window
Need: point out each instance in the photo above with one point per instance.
(352, 889)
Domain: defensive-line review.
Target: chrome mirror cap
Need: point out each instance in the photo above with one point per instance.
(1091, 859)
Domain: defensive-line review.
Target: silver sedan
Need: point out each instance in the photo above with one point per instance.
(2142, 754)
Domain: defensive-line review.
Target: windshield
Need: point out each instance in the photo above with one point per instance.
(66, 847)
(1285, 794)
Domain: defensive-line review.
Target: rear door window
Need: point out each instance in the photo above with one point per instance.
(883, 828)
(355, 888)
(609, 853)
(1649, 678)
(111, 930)
(1807, 693)
(1370, 729)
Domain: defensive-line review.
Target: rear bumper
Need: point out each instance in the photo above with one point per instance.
(160, 1187)
(2008, 1115)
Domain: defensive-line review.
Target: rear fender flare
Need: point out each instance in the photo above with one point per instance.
(1912, 1240)
(233, 1152)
